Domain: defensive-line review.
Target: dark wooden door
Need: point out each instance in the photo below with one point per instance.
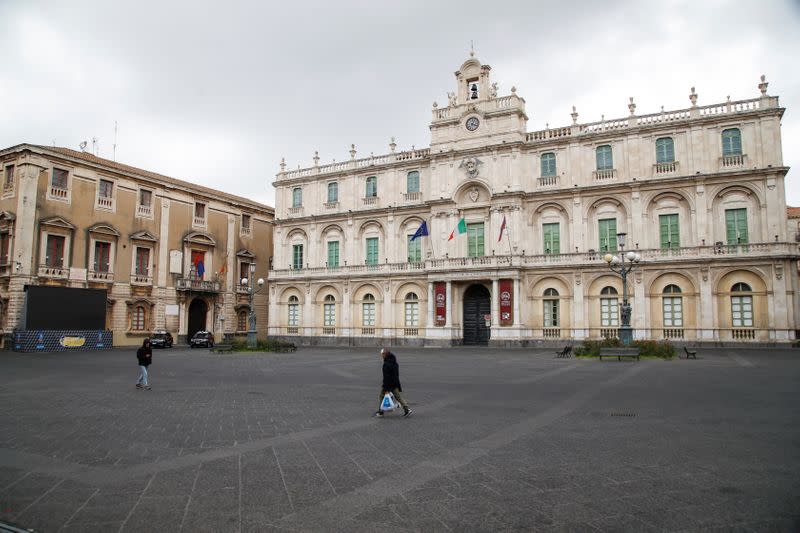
(477, 303)
(197, 317)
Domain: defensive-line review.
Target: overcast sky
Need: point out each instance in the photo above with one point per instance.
(217, 92)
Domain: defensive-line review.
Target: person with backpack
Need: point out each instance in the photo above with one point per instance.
(391, 383)
(145, 356)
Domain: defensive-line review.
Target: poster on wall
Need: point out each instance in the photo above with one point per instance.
(506, 302)
(440, 303)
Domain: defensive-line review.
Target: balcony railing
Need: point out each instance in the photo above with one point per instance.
(141, 279)
(743, 334)
(59, 193)
(328, 330)
(548, 181)
(673, 333)
(296, 210)
(199, 221)
(144, 210)
(104, 202)
(732, 161)
(604, 175)
(665, 168)
(8, 189)
(368, 331)
(608, 333)
(244, 230)
(370, 200)
(292, 330)
(100, 276)
(331, 205)
(48, 271)
(410, 332)
(197, 285)
(551, 333)
(412, 196)
(242, 289)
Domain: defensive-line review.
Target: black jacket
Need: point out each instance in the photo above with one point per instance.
(391, 373)
(144, 355)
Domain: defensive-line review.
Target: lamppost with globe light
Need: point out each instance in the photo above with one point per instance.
(617, 264)
(252, 342)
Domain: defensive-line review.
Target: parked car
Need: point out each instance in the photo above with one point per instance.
(202, 338)
(161, 339)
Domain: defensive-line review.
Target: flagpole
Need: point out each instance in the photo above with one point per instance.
(430, 242)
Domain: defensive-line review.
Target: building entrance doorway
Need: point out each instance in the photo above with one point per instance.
(477, 304)
(198, 310)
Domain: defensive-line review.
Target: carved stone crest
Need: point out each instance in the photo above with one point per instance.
(474, 193)
(470, 165)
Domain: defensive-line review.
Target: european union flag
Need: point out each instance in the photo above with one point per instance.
(201, 269)
(422, 231)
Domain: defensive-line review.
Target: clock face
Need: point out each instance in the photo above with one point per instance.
(472, 123)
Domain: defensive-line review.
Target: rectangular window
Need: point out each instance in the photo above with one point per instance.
(372, 187)
(673, 312)
(294, 314)
(550, 232)
(736, 226)
(742, 311)
(668, 232)
(333, 254)
(59, 178)
(608, 234)
(102, 256)
(368, 314)
(105, 189)
(372, 251)
(9, 175)
(244, 272)
(548, 165)
(412, 314)
(199, 210)
(142, 261)
(333, 192)
(414, 250)
(605, 159)
(5, 242)
(412, 182)
(55, 251)
(297, 256)
(475, 239)
(145, 197)
(551, 313)
(609, 316)
(329, 315)
(665, 150)
(246, 222)
(297, 197)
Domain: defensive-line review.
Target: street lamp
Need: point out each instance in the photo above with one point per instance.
(251, 290)
(617, 264)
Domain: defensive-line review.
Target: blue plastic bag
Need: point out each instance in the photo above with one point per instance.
(388, 402)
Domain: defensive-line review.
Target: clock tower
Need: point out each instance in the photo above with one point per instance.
(475, 115)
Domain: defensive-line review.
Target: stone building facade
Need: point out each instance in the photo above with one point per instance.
(170, 254)
(698, 191)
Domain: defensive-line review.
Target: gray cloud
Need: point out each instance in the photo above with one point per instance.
(218, 93)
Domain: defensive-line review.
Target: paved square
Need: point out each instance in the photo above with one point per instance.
(501, 440)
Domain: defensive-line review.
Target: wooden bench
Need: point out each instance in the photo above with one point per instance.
(619, 353)
(222, 348)
(690, 353)
(564, 353)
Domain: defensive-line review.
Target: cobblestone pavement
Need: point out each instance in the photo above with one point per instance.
(500, 440)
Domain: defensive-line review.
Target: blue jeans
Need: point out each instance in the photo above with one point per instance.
(142, 376)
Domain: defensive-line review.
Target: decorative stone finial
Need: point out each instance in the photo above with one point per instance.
(547, 125)
(729, 99)
(316, 158)
(632, 107)
(352, 151)
(392, 145)
(513, 90)
(662, 109)
(493, 90)
(283, 164)
(435, 104)
(574, 115)
(763, 85)
(693, 98)
(602, 118)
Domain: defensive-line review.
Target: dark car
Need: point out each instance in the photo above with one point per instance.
(161, 339)
(202, 338)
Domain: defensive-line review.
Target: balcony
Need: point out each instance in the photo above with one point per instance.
(370, 201)
(145, 211)
(98, 276)
(672, 333)
(141, 279)
(245, 230)
(104, 202)
(548, 181)
(551, 333)
(53, 272)
(8, 189)
(412, 196)
(296, 210)
(330, 206)
(665, 168)
(59, 193)
(197, 285)
(242, 289)
(604, 175)
(732, 161)
(199, 221)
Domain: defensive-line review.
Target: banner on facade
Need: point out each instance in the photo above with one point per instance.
(440, 303)
(506, 302)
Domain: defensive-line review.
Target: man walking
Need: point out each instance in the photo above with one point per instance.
(145, 356)
(391, 382)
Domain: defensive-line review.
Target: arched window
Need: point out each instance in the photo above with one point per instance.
(297, 197)
(605, 160)
(294, 311)
(672, 307)
(665, 150)
(138, 318)
(368, 311)
(741, 306)
(731, 141)
(609, 313)
(412, 310)
(412, 181)
(241, 320)
(333, 192)
(551, 319)
(372, 187)
(329, 311)
(548, 164)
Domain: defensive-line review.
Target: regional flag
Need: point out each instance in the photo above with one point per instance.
(502, 229)
(422, 231)
(201, 269)
(461, 228)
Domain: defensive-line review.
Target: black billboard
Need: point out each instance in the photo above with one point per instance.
(64, 308)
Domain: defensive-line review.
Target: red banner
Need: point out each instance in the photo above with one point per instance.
(506, 302)
(440, 303)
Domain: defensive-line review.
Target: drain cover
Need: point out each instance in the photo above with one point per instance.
(624, 414)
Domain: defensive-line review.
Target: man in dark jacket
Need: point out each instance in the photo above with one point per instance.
(145, 357)
(391, 382)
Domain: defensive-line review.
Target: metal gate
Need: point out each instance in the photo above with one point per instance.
(477, 304)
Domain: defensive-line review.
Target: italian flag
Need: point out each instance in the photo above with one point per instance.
(460, 229)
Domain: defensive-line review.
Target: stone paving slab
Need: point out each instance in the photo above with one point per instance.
(501, 440)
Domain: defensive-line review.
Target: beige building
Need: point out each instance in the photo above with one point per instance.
(698, 191)
(171, 254)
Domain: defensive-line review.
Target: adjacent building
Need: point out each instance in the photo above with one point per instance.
(171, 254)
(518, 223)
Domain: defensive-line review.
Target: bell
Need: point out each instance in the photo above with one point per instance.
(474, 91)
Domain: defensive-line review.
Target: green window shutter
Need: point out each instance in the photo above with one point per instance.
(605, 160)
(412, 182)
(333, 254)
(414, 250)
(669, 231)
(608, 234)
(372, 187)
(551, 238)
(333, 192)
(731, 142)
(297, 197)
(665, 150)
(475, 240)
(297, 256)
(548, 164)
(372, 251)
(736, 226)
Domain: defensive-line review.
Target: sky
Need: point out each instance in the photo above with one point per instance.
(218, 92)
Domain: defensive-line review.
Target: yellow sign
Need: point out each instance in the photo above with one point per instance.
(72, 342)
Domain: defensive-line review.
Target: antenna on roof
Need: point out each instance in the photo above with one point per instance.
(94, 145)
(83, 146)
(114, 157)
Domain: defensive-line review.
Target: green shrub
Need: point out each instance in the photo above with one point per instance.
(269, 345)
(662, 349)
(592, 348)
